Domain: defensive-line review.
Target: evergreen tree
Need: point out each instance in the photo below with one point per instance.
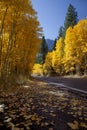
(71, 18)
(42, 52)
(61, 32)
(55, 41)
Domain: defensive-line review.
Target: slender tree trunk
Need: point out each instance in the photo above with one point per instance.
(78, 72)
(5, 69)
(1, 36)
(85, 64)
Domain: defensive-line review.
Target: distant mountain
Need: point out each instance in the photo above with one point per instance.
(50, 44)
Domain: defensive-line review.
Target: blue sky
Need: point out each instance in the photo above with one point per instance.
(51, 14)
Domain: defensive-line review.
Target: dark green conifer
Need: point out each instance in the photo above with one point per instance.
(42, 52)
(71, 18)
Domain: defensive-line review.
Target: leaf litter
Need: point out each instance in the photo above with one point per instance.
(40, 106)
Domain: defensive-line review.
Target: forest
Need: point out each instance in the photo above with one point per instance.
(23, 48)
(20, 34)
(69, 55)
(29, 99)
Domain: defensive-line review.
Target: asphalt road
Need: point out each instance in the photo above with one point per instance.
(73, 83)
(40, 106)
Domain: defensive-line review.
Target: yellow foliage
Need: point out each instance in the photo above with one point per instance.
(37, 69)
(60, 47)
(71, 54)
(19, 36)
(48, 60)
(58, 56)
(75, 44)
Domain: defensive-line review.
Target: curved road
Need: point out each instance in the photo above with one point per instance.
(78, 84)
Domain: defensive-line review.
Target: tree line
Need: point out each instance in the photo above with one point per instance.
(69, 55)
(20, 36)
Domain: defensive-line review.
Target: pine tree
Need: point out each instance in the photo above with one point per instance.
(42, 52)
(54, 47)
(71, 18)
(61, 32)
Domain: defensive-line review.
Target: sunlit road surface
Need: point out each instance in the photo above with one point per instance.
(75, 84)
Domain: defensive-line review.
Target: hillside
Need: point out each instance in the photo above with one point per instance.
(50, 44)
